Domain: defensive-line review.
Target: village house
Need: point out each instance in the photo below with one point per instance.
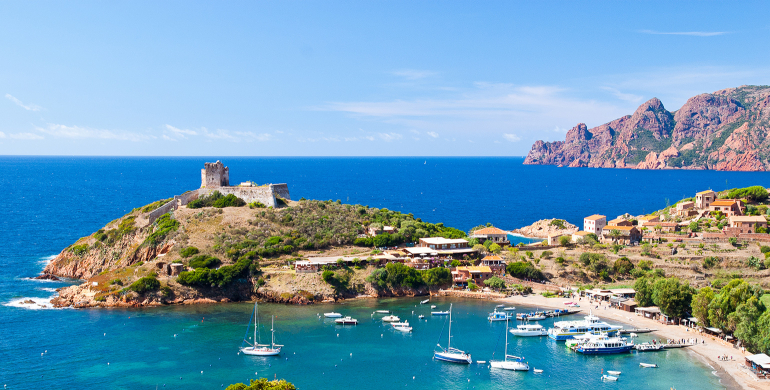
(373, 231)
(749, 223)
(648, 220)
(665, 227)
(553, 239)
(728, 207)
(579, 236)
(628, 234)
(685, 209)
(594, 224)
(620, 222)
(704, 198)
(495, 263)
(447, 247)
(476, 274)
(498, 236)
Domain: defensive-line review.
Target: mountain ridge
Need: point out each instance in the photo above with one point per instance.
(725, 130)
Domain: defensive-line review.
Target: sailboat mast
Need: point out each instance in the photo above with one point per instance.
(272, 329)
(255, 324)
(449, 343)
(506, 338)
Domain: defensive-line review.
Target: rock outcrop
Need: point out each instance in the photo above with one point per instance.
(546, 227)
(723, 131)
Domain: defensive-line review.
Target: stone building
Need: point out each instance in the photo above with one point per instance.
(215, 175)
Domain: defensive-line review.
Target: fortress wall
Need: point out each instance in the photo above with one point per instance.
(263, 194)
(187, 197)
(155, 214)
(281, 190)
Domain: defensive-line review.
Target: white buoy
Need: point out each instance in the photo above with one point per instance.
(108, 363)
(201, 372)
(338, 335)
(105, 334)
(41, 354)
(351, 354)
(46, 351)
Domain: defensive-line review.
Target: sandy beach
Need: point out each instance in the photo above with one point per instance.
(732, 373)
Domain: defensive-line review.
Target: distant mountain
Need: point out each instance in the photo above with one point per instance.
(725, 130)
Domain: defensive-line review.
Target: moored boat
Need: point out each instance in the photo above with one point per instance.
(425, 301)
(604, 346)
(402, 326)
(510, 308)
(439, 313)
(537, 370)
(391, 318)
(609, 378)
(615, 373)
(332, 315)
(257, 349)
(346, 321)
(564, 330)
(499, 316)
(383, 311)
(529, 330)
(449, 354)
(646, 347)
(510, 362)
(648, 365)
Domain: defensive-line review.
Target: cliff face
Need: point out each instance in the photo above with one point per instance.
(723, 131)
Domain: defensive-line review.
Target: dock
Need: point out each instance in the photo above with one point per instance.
(637, 331)
(667, 346)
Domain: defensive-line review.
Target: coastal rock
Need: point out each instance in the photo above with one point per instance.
(722, 131)
(546, 227)
(45, 276)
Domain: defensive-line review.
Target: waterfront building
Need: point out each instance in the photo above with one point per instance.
(594, 223)
(553, 239)
(748, 223)
(759, 364)
(498, 236)
(704, 198)
(477, 274)
(648, 220)
(620, 222)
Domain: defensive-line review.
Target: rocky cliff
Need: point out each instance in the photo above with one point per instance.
(725, 130)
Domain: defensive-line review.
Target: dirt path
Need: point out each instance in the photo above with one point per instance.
(731, 372)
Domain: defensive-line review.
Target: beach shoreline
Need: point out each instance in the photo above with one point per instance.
(730, 372)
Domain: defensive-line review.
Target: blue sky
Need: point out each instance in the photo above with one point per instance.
(359, 78)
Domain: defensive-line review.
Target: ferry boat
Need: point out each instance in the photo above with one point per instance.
(603, 346)
(529, 330)
(499, 316)
(565, 330)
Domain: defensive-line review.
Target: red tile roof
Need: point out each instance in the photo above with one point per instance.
(489, 230)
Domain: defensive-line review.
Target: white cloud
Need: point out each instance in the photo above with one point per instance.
(511, 137)
(2, 135)
(180, 133)
(690, 33)
(77, 132)
(26, 136)
(369, 137)
(413, 74)
(167, 138)
(28, 107)
(389, 136)
(629, 97)
(433, 134)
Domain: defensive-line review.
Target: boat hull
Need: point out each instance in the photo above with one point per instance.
(571, 335)
(261, 351)
(528, 333)
(604, 350)
(509, 365)
(453, 357)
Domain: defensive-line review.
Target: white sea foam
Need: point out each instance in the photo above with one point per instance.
(49, 289)
(32, 303)
(46, 260)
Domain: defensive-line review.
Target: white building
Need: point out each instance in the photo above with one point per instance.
(594, 224)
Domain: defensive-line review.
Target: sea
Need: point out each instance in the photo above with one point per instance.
(50, 202)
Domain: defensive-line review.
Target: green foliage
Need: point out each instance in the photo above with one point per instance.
(529, 254)
(403, 275)
(145, 284)
(189, 251)
(495, 282)
(645, 140)
(154, 205)
(710, 261)
(524, 270)
(700, 305)
(623, 266)
(472, 286)
(745, 322)
(753, 194)
(644, 290)
(163, 226)
(693, 226)
(204, 261)
(205, 201)
(203, 277)
(257, 205)
(559, 223)
(79, 250)
(724, 304)
(263, 384)
(455, 263)
(229, 201)
(494, 248)
(565, 240)
(339, 279)
(645, 265)
(546, 254)
(437, 277)
(672, 297)
(755, 263)
(378, 277)
(116, 281)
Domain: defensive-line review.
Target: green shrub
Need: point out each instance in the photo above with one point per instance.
(262, 384)
(79, 250)
(163, 226)
(229, 201)
(145, 284)
(256, 205)
(710, 261)
(623, 266)
(546, 254)
(495, 282)
(472, 286)
(189, 251)
(204, 261)
(645, 265)
(100, 298)
(524, 270)
(221, 277)
(116, 281)
(754, 193)
(764, 249)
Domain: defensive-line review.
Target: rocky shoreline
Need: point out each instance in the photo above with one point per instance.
(546, 227)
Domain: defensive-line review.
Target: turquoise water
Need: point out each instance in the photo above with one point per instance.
(50, 202)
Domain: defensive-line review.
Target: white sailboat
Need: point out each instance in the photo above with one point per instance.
(257, 349)
(449, 354)
(515, 364)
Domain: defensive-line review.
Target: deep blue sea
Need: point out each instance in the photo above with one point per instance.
(50, 202)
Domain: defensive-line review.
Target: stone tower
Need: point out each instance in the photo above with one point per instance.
(215, 175)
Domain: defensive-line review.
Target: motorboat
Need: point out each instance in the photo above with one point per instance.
(499, 306)
(425, 301)
(346, 321)
(421, 316)
(537, 370)
(332, 315)
(402, 326)
(256, 348)
(615, 373)
(509, 308)
(439, 313)
(565, 330)
(645, 347)
(604, 346)
(449, 354)
(510, 362)
(530, 316)
(391, 318)
(432, 306)
(499, 316)
(529, 330)
(648, 365)
(580, 339)
(609, 378)
(571, 304)
(383, 311)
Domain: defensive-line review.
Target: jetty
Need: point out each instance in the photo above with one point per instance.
(637, 330)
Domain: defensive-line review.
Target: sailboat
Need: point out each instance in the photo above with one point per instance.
(258, 349)
(450, 354)
(516, 363)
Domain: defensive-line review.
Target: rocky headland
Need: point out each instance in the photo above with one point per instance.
(725, 130)
(546, 227)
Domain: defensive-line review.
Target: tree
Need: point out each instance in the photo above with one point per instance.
(494, 248)
(672, 297)
(378, 277)
(487, 244)
(479, 248)
(745, 320)
(495, 282)
(623, 266)
(472, 286)
(693, 226)
(565, 240)
(524, 270)
(644, 290)
(727, 301)
(615, 234)
(546, 254)
(645, 265)
(437, 277)
(700, 305)
(263, 384)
